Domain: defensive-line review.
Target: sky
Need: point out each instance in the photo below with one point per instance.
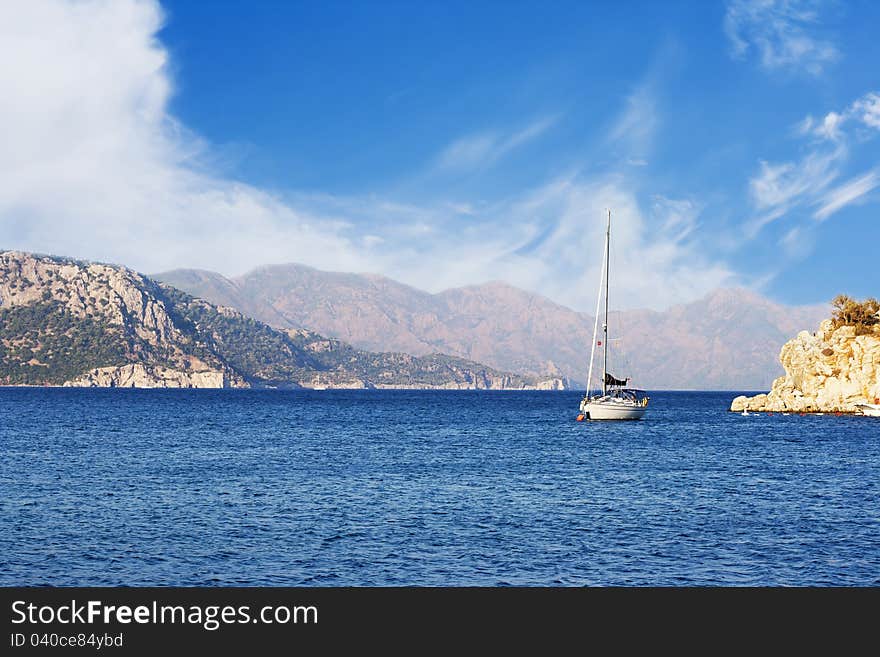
(452, 143)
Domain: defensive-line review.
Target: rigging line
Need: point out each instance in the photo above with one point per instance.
(624, 365)
(596, 324)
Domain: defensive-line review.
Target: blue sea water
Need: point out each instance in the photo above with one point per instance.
(161, 487)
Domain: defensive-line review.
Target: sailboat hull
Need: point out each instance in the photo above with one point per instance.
(610, 410)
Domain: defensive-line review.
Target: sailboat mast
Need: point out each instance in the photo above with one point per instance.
(605, 325)
(596, 322)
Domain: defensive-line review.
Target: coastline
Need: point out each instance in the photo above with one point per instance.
(287, 388)
(833, 370)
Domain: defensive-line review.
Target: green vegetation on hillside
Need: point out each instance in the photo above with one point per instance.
(262, 353)
(83, 320)
(431, 370)
(252, 348)
(44, 344)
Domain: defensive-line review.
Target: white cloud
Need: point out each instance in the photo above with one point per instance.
(677, 218)
(797, 243)
(93, 165)
(845, 194)
(783, 33)
(778, 185)
(779, 188)
(635, 127)
(370, 241)
(557, 242)
(483, 150)
(867, 109)
(468, 152)
(548, 239)
(830, 126)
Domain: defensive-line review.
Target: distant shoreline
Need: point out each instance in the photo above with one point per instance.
(372, 389)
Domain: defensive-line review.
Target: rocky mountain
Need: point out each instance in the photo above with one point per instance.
(66, 322)
(727, 340)
(830, 370)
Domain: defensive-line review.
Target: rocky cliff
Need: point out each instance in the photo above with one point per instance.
(138, 375)
(77, 323)
(65, 322)
(830, 370)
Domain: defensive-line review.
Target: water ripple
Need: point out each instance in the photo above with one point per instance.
(138, 487)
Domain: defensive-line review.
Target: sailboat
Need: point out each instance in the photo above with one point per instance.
(616, 401)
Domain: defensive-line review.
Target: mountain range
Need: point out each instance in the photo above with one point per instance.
(728, 340)
(68, 322)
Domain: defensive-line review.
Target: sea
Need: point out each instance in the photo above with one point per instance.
(428, 488)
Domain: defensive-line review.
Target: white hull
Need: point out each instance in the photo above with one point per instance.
(871, 410)
(604, 410)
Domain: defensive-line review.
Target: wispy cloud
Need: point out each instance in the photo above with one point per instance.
(827, 128)
(636, 125)
(549, 240)
(867, 109)
(677, 218)
(94, 165)
(783, 34)
(780, 185)
(797, 242)
(849, 192)
(480, 151)
(865, 112)
(779, 188)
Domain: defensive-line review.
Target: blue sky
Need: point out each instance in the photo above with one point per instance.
(452, 143)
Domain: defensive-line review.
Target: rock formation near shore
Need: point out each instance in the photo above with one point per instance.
(138, 375)
(830, 370)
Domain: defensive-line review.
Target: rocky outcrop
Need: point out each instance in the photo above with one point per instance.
(121, 296)
(831, 370)
(131, 306)
(74, 323)
(552, 384)
(138, 375)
